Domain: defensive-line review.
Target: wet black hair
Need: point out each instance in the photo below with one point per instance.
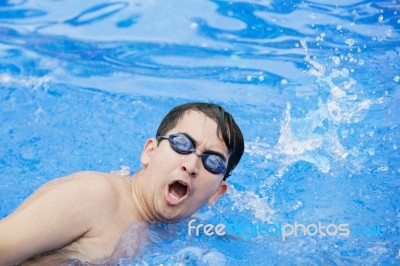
(226, 127)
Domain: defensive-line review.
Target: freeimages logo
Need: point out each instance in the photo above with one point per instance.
(282, 230)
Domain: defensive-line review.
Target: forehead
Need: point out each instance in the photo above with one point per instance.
(202, 129)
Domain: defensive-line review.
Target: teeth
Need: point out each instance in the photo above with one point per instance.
(173, 196)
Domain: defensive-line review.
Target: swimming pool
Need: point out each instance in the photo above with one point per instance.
(314, 86)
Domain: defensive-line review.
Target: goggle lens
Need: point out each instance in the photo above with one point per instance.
(182, 144)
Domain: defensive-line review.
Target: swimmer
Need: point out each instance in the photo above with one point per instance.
(83, 217)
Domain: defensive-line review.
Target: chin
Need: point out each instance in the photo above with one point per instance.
(175, 214)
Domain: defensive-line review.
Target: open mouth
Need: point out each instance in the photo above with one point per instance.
(177, 191)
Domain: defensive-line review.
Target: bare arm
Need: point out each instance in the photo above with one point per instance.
(55, 215)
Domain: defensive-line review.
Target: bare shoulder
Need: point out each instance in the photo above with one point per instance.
(86, 177)
(82, 191)
(87, 184)
(57, 214)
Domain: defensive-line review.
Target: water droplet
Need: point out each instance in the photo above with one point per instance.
(5, 78)
(336, 60)
(337, 92)
(313, 16)
(284, 82)
(380, 19)
(249, 77)
(296, 44)
(303, 44)
(396, 78)
(339, 27)
(388, 32)
(194, 25)
(349, 42)
(383, 168)
(361, 62)
(261, 78)
(347, 85)
(344, 133)
(370, 151)
(398, 21)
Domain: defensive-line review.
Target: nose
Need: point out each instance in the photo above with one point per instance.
(190, 164)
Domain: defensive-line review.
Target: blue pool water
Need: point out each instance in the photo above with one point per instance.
(314, 85)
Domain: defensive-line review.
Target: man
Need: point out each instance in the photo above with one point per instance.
(84, 216)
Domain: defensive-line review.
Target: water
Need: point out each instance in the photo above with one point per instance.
(313, 84)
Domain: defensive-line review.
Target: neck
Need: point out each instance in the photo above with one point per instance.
(140, 205)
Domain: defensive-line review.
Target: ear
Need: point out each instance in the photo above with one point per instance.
(222, 189)
(148, 150)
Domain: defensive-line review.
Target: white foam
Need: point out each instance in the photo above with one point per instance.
(200, 256)
(28, 82)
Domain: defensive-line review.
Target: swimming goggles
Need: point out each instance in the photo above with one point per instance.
(183, 144)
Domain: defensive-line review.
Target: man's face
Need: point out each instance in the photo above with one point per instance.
(177, 185)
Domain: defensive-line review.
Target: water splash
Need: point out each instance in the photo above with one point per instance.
(314, 138)
(125, 171)
(250, 201)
